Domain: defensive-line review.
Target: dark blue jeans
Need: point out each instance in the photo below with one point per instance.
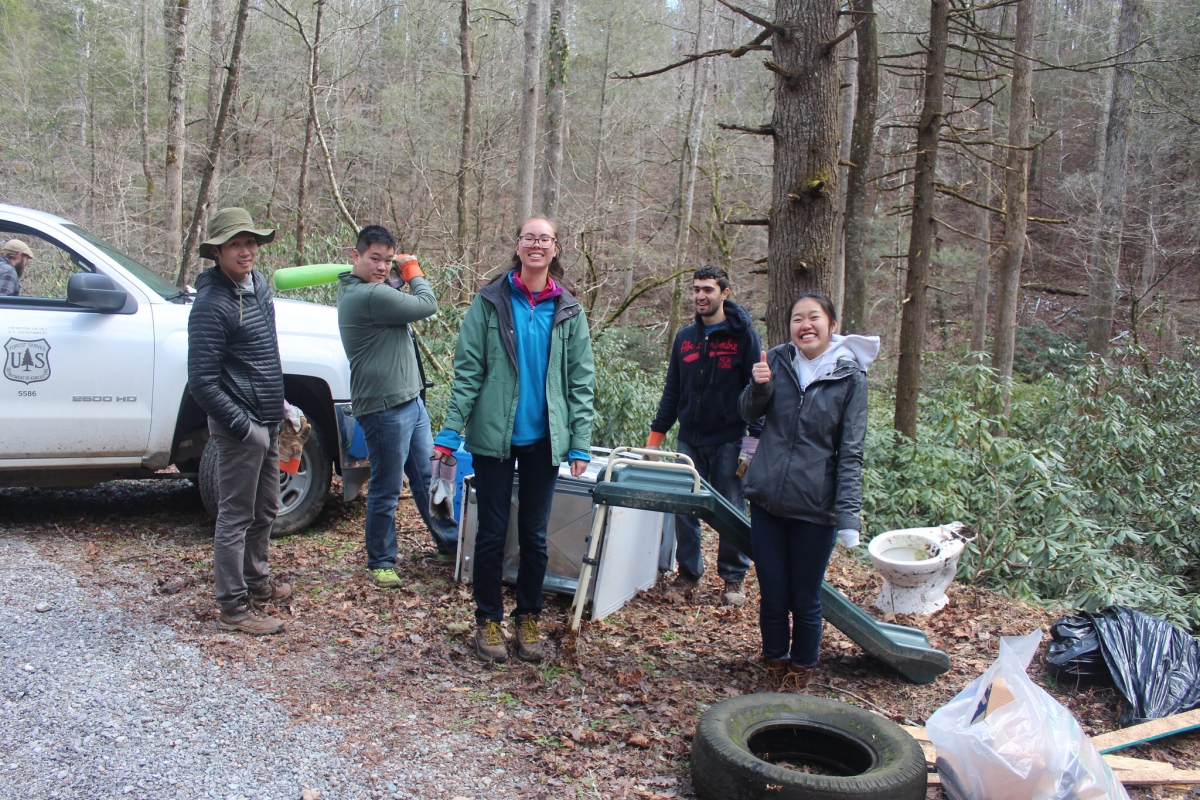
(717, 464)
(493, 493)
(420, 475)
(790, 558)
(388, 434)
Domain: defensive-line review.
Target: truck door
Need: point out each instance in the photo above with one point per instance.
(77, 383)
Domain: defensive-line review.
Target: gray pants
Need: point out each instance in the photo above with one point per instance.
(248, 479)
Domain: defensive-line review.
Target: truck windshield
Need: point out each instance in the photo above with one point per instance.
(152, 279)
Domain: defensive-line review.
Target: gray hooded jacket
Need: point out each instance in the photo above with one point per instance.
(809, 460)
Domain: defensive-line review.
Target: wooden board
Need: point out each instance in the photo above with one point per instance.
(1147, 731)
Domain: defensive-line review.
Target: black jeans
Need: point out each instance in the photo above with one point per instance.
(493, 493)
(790, 558)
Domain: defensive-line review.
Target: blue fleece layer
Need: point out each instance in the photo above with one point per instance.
(531, 326)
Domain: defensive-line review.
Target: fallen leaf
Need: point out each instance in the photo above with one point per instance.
(639, 740)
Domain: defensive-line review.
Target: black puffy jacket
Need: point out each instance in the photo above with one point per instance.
(704, 378)
(234, 370)
(808, 465)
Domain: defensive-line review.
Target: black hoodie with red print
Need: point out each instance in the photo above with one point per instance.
(704, 378)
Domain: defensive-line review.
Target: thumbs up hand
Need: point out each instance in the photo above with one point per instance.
(761, 371)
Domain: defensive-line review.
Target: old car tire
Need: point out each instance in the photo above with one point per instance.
(739, 742)
(301, 496)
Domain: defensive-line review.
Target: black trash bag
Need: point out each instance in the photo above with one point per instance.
(1153, 663)
(1073, 657)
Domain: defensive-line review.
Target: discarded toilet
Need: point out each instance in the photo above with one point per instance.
(918, 565)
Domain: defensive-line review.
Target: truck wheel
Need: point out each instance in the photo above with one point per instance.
(796, 747)
(301, 496)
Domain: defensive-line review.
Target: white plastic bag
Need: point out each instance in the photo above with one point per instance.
(1005, 738)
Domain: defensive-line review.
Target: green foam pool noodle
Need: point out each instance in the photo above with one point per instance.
(308, 275)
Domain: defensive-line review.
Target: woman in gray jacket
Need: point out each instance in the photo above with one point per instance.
(805, 482)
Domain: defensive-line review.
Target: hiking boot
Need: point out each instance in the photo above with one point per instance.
(529, 639)
(385, 578)
(271, 592)
(246, 619)
(776, 670)
(489, 642)
(734, 594)
(796, 680)
(447, 558)
(683, 588)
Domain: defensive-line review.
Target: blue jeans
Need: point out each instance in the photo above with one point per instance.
(493, 493)
(717, 464)
(790, 558)
(389, 435)
(420, 475)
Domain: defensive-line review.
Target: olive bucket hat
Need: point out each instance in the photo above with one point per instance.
(228, 223)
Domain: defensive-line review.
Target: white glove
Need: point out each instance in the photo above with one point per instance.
(848, 537)
(442, 489)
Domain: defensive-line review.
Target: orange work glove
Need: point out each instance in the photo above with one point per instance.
(655, 439)
(409, 268)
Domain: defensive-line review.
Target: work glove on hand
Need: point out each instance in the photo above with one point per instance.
(441, 488)
(749, 446)
(293, 433)
(848, 537)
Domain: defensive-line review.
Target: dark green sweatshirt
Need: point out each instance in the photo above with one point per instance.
(373, 319)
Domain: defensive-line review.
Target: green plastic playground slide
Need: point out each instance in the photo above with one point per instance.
(651, 487)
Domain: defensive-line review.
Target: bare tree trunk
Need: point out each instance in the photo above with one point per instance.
(175, 20)
(144, 121)
(326, 157)
(920, 242)
(688, 167)
(1106, 252)
(214, 147)
(862, 146)
(468, 122)
(1016, 198)
(983, 228)
(314, 71)
(601, 122)
(634, 205)
(216, 67)
(804, 179)
(845, 134)
(527, 136)
(556, 101)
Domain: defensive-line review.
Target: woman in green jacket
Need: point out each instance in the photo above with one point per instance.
(523, 386)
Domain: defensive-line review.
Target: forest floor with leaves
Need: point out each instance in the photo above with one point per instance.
(614, 719)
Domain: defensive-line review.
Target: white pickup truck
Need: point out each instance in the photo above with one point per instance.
(95, 376)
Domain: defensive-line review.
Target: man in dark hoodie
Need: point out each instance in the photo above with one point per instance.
(235, 375)
(711, 362)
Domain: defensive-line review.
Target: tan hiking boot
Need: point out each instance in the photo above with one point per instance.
(489, 642)
(796, 680)
(776, 670)
(246, 619)
(529, 639)
(734, 594)
(683, 588)
(271, 592)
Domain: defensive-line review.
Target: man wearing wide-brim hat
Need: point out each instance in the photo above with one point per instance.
(14, 256)
(235, 375)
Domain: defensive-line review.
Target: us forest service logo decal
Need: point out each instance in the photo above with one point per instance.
(26, 360)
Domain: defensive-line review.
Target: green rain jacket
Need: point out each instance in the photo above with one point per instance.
(484, 399)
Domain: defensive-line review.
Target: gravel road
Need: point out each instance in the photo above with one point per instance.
(95, 703)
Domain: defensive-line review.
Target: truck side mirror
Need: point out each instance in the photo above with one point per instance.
(96, 291)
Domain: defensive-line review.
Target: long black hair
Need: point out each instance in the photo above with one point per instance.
(556, 268)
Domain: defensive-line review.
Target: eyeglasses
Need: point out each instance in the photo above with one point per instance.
(529, 240)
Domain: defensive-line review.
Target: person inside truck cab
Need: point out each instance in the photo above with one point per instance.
(14, 256)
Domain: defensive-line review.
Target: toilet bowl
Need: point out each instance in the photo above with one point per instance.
(917, 565)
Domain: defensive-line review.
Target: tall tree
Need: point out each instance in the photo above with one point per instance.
(1016, 201)
(314, 72)
(983, 229)
(175, 14)
(862, 146)
(1106, 251)
(527, 135)
(846, 108)
(144, 117)
(920, 242)
(218, 137)
(468, 125)
(556, 101)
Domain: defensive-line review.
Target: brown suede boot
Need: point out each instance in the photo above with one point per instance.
(796, 680)
(683, 589)
(776, 670)
(529, 639)
(271, 592)
(246, 619)
(489, 642)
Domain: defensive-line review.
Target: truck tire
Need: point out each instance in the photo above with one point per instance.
(301, 496)
(741, 745)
